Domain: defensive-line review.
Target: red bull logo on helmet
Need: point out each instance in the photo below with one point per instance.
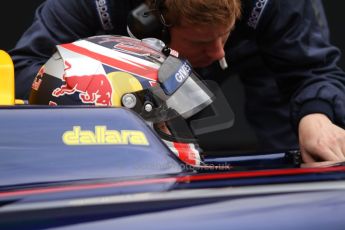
(92, 88)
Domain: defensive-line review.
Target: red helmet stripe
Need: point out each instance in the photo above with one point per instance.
(142, 70)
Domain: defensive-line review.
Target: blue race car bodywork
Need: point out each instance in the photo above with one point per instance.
(97, 168)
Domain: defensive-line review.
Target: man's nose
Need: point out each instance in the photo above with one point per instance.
(215, 51)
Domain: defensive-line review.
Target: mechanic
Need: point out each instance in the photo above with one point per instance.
(280, 49)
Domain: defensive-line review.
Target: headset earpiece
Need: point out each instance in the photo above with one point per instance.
(144, 22)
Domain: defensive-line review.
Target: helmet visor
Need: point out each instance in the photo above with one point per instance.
(180, 91)
(183, 90)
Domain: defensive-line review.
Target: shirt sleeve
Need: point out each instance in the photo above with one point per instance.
(294, 42)
(55, 22)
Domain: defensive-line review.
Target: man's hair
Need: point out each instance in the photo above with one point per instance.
(200, 12)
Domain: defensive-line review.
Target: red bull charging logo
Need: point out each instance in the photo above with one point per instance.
(93, 89)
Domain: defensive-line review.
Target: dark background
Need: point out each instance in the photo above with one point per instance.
(16, 16)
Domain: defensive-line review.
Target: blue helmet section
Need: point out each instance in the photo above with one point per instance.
(47, 144)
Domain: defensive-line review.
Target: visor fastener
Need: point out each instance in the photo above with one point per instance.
(129, 100)
(166, 50)
(148, 107)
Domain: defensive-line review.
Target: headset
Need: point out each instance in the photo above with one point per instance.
(144, 22)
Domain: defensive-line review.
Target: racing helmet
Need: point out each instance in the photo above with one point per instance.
(110, 70)
(141, 75)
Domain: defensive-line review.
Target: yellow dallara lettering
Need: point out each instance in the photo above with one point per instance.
(102, 136)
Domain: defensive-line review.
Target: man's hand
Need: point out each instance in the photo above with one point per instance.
(320, 139)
